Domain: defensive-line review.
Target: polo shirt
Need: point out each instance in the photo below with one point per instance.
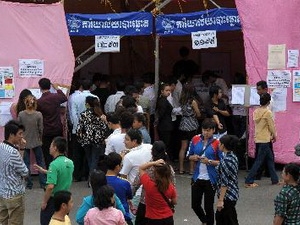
(60, 173)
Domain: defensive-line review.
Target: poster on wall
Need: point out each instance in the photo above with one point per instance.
(296, 86)
(31, 67)
(7, 89)
(279, 99)
(293, 58)
(107, 43)
(279, 78)
(276, 57)
(204, 39)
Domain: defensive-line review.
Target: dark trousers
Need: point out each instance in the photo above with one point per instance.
(46, 214)
(79, 159)
(165, 221)
(204, 188)
(140, 218)
(264, 167)
(227, 216)
(165, 136)
(47, 140)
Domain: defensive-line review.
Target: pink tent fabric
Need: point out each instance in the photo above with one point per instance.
(272, 22)
(35, 31)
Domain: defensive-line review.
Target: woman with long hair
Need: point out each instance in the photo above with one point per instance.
(16, 108)
(189, 125)
(228, 190)
(158, 152)
(97, 180)
(92, 131)
(32, 120)
(163, 115)
(287, 202)
(160, 193)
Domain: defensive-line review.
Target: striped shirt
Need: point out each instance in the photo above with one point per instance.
(12, 171)
(228, 176)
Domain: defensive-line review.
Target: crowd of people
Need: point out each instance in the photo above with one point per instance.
(123, 144)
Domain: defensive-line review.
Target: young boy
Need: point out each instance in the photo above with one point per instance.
(63, 203)
(139, 122)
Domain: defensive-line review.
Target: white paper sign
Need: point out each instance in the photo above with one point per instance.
(279, 99)
(204, 39)
(238, 95)
(5, 115)
(279, 78)
(293, 58)
(31, 67)
(107, 43)
(254, 97)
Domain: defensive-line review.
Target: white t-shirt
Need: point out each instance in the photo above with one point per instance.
(115, 144)
(132, 160)
(203, 173)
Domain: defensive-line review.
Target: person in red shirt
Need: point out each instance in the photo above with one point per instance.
(158, 192)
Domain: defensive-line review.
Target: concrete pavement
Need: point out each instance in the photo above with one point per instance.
(255, 206)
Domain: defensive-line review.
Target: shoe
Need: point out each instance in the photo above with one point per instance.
(191, 173)
(181, 172)
(77, 180)
(278, 183)
(253, 185)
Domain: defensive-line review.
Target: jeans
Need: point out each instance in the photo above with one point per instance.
(12, 210)
(264, 152)
(39, 158)
(200, 188)
(47, 213)
(227, 216)
(93, 153)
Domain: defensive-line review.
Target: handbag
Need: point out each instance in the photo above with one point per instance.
(170, 204)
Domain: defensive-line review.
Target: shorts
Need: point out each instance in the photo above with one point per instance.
(187, 135)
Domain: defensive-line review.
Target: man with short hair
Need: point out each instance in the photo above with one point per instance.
(49, 105)
(12, 173)
(265, 132)
(116, 142)
(59, 177)
(79, 106)
(138, 154)
(112, 100)
(63, 204)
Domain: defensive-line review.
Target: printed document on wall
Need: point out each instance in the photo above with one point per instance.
(238, 95)
(293, 58)
(279, 99)
(276, 56)
(296, 86)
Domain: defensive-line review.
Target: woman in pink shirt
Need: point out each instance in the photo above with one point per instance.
(104, 213)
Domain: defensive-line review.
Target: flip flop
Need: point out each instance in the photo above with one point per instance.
(181, 172)
(253, 185)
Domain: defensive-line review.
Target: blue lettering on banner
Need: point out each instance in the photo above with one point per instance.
(123, 24)
(223, 19)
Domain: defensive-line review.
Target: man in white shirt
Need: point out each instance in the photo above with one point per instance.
(115, 143)
(138, 154)
(112, 100)
(78, 106)
(149, 91)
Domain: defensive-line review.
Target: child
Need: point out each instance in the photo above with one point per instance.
(104, 212)
(63, 203)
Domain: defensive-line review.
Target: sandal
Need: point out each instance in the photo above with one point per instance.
(253, 185)
(181, 172)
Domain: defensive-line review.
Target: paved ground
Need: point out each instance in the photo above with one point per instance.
(255, 206)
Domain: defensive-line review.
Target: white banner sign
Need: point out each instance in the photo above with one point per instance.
(107, 43)
(31, 67)
(204, 39)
